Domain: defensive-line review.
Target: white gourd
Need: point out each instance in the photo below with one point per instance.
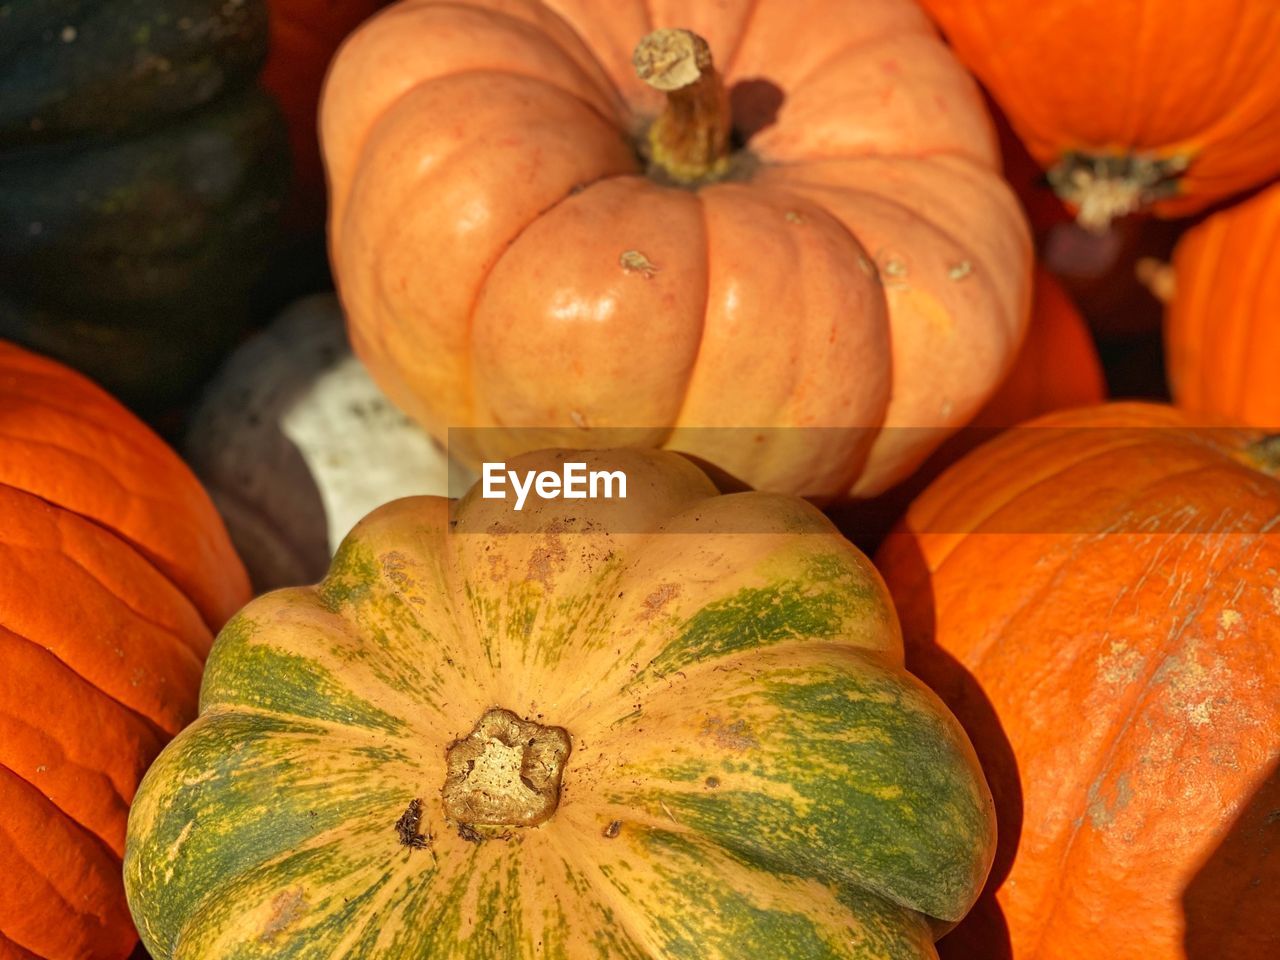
(295, 444)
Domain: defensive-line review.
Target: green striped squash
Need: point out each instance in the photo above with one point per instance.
(675, 725)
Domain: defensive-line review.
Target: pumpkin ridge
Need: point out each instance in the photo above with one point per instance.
(604, 892)
(1239, 105)
(179, 641)
(1253, 273)
(215, 896)
(199, 652)
(609, 89)
(1267, 243)
(985, 518)
(677, 420)
(858, 46)
(18, 653)
(104, 777)
(162, 566)
(116, 426)
(157, 821)
(358, 152)
(163, 735)
(75, 824)
(371, 580)
(483, 284)
(744, 28)
(1157, 662)
(228, 687)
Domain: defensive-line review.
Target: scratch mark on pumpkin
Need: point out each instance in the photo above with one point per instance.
(175, 848)
(1101, 814)
(633, 261)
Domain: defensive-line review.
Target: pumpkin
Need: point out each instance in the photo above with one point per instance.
(114, 573)
(303, 36)
(1221, 337)
(670, 725)
(141, 174)
(1057, 368)
(1131, 106)
(295, 443)
(1094, 595)
(808, 249)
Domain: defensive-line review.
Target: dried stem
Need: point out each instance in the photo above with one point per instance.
(690, 140)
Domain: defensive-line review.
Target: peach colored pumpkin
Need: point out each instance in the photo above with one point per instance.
(1056, 369)
(505, 262)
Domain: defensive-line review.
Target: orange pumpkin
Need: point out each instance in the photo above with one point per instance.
(114, 572)
(822, 241)
(303, 37)
(1094, 595)
(1138, 105)
(1222, 338)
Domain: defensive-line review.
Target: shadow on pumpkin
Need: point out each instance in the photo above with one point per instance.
(754, 105)
(983, 934)
(1230, 904)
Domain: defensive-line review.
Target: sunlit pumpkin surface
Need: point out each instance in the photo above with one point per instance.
(1096, 597)
(508, 258)
(115, 571)
(1221, 332)
(672, 726)
(1143, 104)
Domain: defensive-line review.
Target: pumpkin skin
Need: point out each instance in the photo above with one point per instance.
(749, 761)
(295, 443)
(1118, 678)
(1221, 337)
(872, 272)
(1161, 89)
(1057, 369)
(141, 177)
(114, 572)
(303, 37)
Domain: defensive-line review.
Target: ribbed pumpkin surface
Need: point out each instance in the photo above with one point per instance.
(1095, 595)
(752, 772)
(506, 262)
(1222, 337)
(1192, 84)
(114, 572)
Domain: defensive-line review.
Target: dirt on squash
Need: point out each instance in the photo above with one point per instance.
(286, 908)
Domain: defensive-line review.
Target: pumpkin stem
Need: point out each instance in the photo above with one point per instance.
(1265, 454)
(1158, 276)
(690, 140)
(1104, 187)
(505, 772)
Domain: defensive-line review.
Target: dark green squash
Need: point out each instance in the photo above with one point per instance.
(141, 178)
